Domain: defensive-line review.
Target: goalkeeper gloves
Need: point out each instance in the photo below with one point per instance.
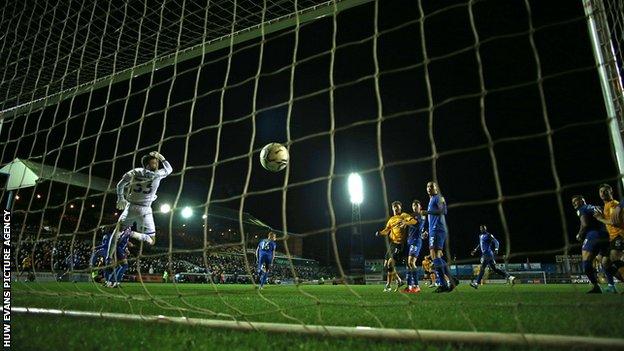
(121, 204)
(158, 155)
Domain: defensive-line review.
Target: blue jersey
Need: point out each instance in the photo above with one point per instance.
(414, 232)
(266, 247)
(592, 223)
(122, 243)
(101, 249)
(486, 240)
(437, 222)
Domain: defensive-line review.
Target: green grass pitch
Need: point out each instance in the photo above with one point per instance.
(544, 309)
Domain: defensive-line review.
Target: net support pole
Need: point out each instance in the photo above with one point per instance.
(9, 201)
(609, 76)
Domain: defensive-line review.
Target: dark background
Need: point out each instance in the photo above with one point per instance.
(107, 131)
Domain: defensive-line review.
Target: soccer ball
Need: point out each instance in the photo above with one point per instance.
(274, 157)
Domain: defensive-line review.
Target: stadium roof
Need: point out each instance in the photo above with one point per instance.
(26, 173)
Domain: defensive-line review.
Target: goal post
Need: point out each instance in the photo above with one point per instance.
(604, 44)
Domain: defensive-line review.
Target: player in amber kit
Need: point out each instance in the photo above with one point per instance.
(27, 267)
(613, 264)
(427, 265)
(396, 231)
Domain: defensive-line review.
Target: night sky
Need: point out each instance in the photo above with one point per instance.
(113, 136)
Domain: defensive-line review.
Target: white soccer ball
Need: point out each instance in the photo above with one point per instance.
(274, 157)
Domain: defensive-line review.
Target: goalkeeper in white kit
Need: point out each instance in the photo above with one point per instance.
(135, 193)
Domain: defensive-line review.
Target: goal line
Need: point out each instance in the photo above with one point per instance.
(481, 338)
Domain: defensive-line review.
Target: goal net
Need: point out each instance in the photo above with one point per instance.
(498, 102)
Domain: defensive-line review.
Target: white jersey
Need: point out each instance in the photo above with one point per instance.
(142, 184)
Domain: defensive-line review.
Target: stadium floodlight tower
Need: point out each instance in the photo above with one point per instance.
(356, 258)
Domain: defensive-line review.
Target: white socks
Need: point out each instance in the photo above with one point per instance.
(143, 237)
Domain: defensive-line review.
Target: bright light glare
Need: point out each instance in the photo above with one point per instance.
(356, 189)
(165, 208)
(187, 212)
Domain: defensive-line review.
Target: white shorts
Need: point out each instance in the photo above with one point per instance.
(141, 215)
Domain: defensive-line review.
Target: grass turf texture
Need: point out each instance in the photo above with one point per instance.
(544, 309)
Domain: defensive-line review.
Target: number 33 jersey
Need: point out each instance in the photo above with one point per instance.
(142, 184)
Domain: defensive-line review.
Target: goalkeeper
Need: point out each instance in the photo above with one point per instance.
(142, 184)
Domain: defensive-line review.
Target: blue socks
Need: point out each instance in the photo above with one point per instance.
(590, 272)
(439, 265)
(120, 271)
(411, 277)
(414, 277)
(480, 276)
(263, 277)
(608, 272)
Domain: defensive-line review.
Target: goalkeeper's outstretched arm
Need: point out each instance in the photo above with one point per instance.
(167, 169)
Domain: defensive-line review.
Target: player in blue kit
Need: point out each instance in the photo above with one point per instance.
(415, 235)
(594, 236)
(118, 264)
(114, 275)
(486, 241)
(265, 254)
(436, 212)
(99, 256)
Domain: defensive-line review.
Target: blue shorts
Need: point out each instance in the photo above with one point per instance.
(596, 242)
(436, 240)
(414, 249)
(487, 259)
(121, 254)
(264, 260)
